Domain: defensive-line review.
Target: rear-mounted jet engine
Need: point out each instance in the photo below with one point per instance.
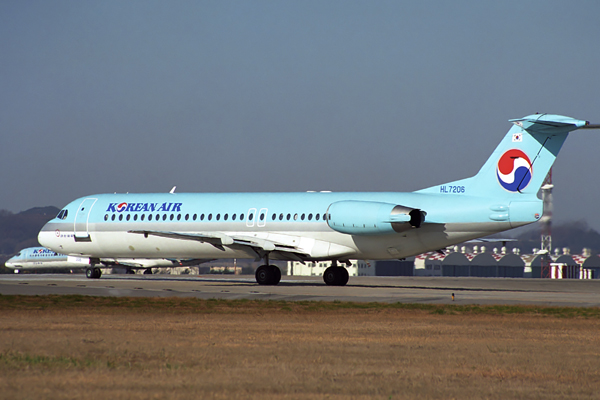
(372, 218)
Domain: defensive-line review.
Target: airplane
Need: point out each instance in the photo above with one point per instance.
(318, 226)
(36, 258)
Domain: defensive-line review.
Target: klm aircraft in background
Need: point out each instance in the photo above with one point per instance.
(37, 258)
(319, 226)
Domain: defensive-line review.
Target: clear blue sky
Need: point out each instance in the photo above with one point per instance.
(138, 96)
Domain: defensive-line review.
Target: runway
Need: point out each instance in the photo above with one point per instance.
(439, 290)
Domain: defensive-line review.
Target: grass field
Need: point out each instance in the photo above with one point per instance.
(98, 347)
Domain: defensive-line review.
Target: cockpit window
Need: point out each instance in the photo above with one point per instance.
(62, 214)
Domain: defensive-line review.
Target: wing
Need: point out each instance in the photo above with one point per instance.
(256, 246)
(143, 263)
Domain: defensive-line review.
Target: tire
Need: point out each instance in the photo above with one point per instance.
(276, 274)
(344, 276)
(264, 275)
(330, 276)
(89, 273)
(336, 276)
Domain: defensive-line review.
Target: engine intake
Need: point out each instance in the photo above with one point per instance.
(372, 218)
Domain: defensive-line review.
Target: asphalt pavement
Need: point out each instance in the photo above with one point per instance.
(434, 290)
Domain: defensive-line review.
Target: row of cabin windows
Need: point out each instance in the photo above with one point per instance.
(209, 217)
(48, 254)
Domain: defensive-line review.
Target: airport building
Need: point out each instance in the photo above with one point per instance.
(471, 262)
(502, 264)
(477, 262)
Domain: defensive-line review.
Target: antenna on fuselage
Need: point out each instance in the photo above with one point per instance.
(173, 190)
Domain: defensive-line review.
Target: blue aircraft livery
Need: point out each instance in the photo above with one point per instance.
(37, 258)
(319, 226)
(143, 207)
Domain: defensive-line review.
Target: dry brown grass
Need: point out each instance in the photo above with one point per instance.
(180, 349)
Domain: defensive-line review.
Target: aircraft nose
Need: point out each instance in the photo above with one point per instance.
(48, 236)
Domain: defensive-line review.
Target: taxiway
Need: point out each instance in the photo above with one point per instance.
(575, 293)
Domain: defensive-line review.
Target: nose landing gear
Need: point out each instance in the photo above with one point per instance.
(93, 272)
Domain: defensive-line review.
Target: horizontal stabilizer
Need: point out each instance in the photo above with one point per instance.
(549, 123)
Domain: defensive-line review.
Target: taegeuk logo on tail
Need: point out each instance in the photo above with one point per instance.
(514, 170)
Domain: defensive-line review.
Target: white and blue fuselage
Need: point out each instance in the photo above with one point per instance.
(35, 258)
(319, 225)
(301, 224)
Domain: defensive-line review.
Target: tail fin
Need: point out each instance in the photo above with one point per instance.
(521, 161)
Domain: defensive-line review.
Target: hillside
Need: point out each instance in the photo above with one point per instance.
(18, 231)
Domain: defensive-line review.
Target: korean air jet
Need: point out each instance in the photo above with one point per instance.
(36, 258)
(319, 226)
(33, 258)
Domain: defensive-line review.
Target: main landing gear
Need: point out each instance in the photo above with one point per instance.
(271, 275)
(267, 274)
(335, 276)
(93, 272)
